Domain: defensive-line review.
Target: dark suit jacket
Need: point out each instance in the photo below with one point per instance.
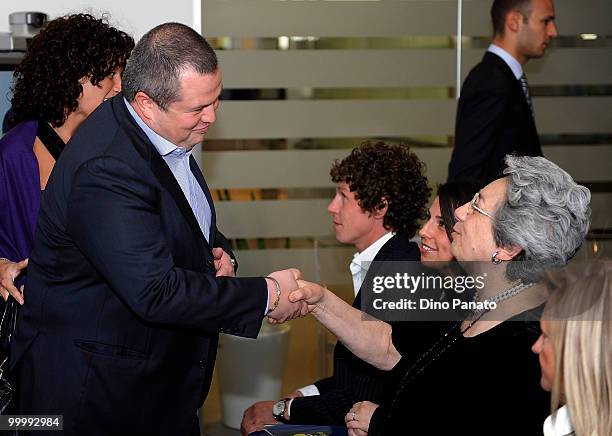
(353, 379)
(493, 120)
(120, 331)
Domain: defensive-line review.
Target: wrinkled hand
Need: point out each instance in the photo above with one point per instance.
(257, 416)
(8, 273)
(310, 293)
(358, 418)
(286, 310)
(223, 263)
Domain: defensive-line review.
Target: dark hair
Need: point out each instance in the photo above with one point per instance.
(452, 195)
(501, 8)
(378, 172)
(66, 50)
(160, 57)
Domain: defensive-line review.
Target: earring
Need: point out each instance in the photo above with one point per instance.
(495, 260)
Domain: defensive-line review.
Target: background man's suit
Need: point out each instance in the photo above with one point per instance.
(493, 120)
(119, 333)
(353, 379)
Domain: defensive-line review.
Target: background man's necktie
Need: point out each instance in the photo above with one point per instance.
(525, 87)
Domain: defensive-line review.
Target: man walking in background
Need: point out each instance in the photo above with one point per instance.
(495, 114)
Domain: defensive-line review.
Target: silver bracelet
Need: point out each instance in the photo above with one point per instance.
(278, 294)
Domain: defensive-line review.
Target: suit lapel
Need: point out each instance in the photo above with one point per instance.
(195, 169)
(526, 110)
(381, 256)
(168, 181)
(520, 95)
(159, 167)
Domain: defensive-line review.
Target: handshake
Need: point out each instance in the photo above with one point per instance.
(289, 297)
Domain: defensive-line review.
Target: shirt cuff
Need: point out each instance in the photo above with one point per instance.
(289, 408)
(309, 391)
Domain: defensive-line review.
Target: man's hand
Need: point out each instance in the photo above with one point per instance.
(286, 309)
(310, 293)
(358, 418)
(260, 414)
(8, 273)
(223, 263)
(257, 416)
(294, 394)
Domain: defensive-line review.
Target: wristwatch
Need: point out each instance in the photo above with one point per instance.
(278, 410)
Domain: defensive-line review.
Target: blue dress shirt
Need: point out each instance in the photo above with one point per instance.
(177, 159)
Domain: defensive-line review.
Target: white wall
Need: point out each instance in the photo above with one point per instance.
(132, 16)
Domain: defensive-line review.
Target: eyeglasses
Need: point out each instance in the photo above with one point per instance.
(476, 208)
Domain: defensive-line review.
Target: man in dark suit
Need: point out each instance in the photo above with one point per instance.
(495, 113)
(130, 280)
(381, 194)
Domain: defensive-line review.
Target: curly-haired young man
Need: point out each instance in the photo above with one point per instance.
(381, 193)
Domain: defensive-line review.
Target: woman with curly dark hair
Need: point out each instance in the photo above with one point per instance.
(71, 67)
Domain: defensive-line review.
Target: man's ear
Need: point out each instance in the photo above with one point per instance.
(145, 105)
(508, 253)
(514, 21)
(381, 209)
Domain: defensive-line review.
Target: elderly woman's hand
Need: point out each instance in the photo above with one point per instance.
(8, 273)
(358, 418)
(311, 293)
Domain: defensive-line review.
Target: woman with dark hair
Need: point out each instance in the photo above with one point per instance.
(436, 233)
(71, 67)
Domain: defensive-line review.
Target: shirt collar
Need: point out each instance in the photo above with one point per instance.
(370, 253)
(161, 144)
(361, 261)
(562, 425)
(515, 66)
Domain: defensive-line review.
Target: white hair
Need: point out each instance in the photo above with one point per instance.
(546, 213)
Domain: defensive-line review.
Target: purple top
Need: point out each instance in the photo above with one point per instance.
(19, 191)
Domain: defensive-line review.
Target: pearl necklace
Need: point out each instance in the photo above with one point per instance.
(509, 293)
(497, 298)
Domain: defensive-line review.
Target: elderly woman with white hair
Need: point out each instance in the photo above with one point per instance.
(479, 377)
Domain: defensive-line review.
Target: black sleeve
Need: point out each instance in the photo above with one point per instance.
(113, 217)
(325, 384)
(339, 394)
(377, 422)
(325, 409)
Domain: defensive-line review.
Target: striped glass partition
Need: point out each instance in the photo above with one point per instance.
(306, 80)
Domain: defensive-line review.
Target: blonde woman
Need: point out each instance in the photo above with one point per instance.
(575, 352)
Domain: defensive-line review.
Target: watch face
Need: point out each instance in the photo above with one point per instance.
(278, 408)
